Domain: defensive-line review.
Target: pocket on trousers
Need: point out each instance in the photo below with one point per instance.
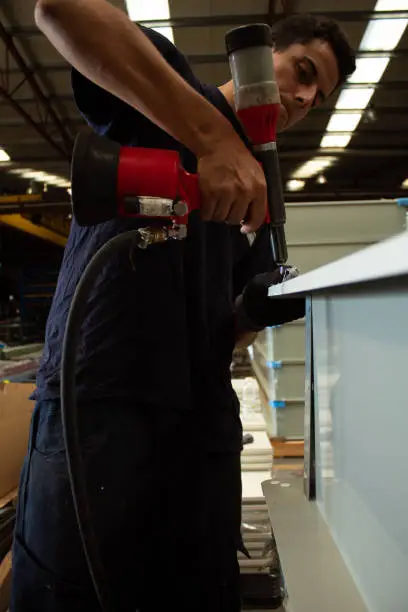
(35, 589)
(50, 527)
(47, 524)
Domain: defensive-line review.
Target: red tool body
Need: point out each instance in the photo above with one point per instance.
(152, 184)
(260, 122)
(257, 101)
(171, 182)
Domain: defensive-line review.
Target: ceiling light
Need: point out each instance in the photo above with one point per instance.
(18, 171)
(333, 141)
(150, 11)
(166, 32)
(295, 185)
(383, 34)
(313, 167)
(343, 122)
(4, 157)
(34, 175)
(369, 69)
(369, 116)
(354, 98)
(404, 184)
(321, 180)
(41, 177)
(62, 183)
(391, 5)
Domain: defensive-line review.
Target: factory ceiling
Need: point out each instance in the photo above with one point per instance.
(354, 146)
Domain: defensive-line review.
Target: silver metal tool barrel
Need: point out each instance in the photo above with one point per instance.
(251, 63)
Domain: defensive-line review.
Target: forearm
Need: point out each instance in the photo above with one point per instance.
(105, 46)
(244, 338)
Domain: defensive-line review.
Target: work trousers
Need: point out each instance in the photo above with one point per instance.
(166, 513)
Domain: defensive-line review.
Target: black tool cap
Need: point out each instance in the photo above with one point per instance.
(94, 176)
(253, 35)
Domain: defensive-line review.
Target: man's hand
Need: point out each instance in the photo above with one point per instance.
(232, 185)
(255, 310)
(131, 68)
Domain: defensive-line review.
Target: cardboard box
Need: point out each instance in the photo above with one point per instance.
(15, 416)
(5, 582)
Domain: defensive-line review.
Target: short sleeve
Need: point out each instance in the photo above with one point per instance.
(250, 259)
(102, 110)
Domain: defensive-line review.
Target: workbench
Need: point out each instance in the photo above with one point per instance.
(342, 529)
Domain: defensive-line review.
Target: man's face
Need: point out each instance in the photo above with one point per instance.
(306, 76)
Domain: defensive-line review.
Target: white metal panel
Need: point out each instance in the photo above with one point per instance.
(380, 261)
(361, 406)
(282, 342)
(352, 222)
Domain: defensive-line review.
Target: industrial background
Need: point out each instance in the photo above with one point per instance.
(315, 419)
(355, 146)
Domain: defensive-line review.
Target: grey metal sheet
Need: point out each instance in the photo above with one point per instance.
(315, 574)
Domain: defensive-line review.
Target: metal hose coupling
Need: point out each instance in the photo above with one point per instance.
(146, 236)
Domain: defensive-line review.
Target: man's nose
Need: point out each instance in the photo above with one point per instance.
(306, 95)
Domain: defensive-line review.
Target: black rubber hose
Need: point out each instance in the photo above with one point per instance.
(69, 412)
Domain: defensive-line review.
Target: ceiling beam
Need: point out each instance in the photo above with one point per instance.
(206, 58)
(13, 123)
(302, 153)
(292, 138)
(42, 99)
(298, 133)
(316, 195)
(19, 140)
(230, 20)
(37, 126)
(284, 154)
(8, 207)
(378, 110)
(383, 110)
(25, 225)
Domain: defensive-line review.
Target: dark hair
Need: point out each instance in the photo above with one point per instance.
(302, 28)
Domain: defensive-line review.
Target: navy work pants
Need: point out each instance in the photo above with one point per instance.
(166, 515)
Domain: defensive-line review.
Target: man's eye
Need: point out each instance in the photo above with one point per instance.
(305, 76)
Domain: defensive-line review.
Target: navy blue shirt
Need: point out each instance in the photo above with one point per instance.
(158, 333)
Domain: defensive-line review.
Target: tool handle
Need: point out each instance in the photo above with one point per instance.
(189, 191)
(267, 156)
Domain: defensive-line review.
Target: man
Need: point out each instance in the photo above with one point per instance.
(160, 424)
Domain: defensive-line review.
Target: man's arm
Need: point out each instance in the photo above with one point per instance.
(244, 338)
(105, 46)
